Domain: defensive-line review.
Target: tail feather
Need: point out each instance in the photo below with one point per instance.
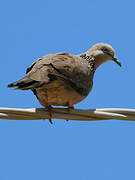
(26, 84)
(17, 83)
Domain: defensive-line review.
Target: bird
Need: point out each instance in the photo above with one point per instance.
(64, 79)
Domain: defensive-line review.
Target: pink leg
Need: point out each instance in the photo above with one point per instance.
(69, 108)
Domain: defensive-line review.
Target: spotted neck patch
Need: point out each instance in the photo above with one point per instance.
(90, 60)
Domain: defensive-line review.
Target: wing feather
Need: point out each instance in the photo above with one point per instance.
(71, 69)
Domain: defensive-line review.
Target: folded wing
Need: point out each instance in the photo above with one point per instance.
(71, 69)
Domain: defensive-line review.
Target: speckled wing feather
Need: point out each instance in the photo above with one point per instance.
(71, 69)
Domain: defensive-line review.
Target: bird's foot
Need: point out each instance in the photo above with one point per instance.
(49, 108)
(69, 108)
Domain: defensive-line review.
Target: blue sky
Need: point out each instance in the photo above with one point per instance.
(67, 150)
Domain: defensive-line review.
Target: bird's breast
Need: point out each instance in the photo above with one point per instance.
(58, 94)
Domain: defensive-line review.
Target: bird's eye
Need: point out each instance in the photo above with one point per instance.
(104, 50)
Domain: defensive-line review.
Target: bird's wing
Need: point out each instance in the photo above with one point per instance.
(74, 70)
(71, 69)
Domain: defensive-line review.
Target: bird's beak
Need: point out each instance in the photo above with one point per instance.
(117, 61)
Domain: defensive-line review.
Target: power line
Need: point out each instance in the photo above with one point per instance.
(64, 113)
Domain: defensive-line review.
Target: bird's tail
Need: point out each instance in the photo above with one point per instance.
(26, 84)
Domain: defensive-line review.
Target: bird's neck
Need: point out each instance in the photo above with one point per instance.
(98, 59)
(90, 60)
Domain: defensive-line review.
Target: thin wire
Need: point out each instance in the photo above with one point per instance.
(63, 113)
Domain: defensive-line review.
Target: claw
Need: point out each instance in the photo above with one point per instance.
(49, 108)
(50, 120)
(69, 109)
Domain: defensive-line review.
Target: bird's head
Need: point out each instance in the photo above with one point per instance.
(103, 53)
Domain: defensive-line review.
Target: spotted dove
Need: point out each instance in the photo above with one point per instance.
(63, 79)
